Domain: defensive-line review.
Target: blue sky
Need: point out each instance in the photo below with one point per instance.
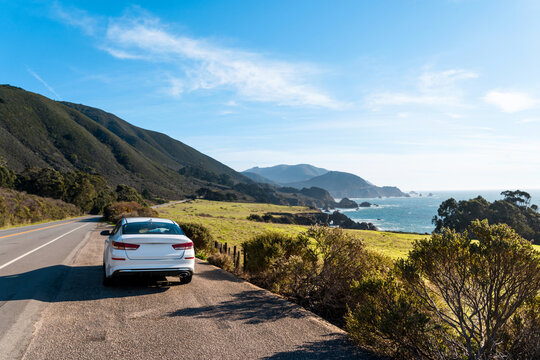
(433, 94)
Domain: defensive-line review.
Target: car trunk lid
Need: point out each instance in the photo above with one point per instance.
(155, 247)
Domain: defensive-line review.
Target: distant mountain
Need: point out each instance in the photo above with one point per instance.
(284, 174)
(342, 184)
(258, 178)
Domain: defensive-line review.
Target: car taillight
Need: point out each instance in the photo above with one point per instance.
(124, 246)
(183, 246)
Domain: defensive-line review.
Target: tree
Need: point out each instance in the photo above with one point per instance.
(474, 282)
(513, 210)
(7, 177)
(517, 197)
(44, 182)
(127, 193)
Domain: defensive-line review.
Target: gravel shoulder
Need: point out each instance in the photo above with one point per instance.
(216, 316)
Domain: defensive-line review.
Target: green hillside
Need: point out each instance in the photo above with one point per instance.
(158, 147)
(38, 132)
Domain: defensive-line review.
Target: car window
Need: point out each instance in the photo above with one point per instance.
(117, 227)
(153, 227)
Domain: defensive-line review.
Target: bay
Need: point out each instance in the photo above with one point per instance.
(414, 214)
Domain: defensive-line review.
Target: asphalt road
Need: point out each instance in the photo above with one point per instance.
(216, 316)
(32, 266)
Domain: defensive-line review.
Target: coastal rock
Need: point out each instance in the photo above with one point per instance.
(313, 218)
(346, 203)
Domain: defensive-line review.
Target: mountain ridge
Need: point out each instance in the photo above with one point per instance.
(338, 184)
(41, 132)
(37, 132)
(283, 174)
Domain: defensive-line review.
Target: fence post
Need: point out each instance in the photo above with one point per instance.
(220, 248)
(216, 244)
(225, 249)
(237, 258)
(244, 252)
(234, 254)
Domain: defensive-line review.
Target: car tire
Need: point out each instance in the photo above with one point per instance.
(185, 279)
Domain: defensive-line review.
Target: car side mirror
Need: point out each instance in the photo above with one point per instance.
(106, 232)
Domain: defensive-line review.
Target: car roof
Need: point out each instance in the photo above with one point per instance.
(146, 219)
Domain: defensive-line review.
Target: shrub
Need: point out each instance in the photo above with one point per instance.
(200, 235)
(7, 177)
(21, 208)
(522, 335)
(474, 283)
(386, 318)
(255, 217)
(117, 211)
(263, 250)
(315, 269)
(321, 277)
(221, 260)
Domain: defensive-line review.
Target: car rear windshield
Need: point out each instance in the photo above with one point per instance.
(154, 228)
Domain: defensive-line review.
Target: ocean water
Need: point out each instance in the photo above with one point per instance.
(414, 214)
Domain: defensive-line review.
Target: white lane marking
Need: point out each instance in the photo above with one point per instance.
(39, 247)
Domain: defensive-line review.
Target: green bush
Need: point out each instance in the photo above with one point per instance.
(117, 211)
(472, 295)
(255, 217)
(7, 177)
(200, 235)
(221, 260)
(320, 276)
(315, 269)
(521, 338)
(263, 250)
(21, 208)
(386, 318)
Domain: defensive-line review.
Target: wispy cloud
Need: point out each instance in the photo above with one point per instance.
(75, 17)
(510, 101)
(31, 72)
(529, 121)
(202, 65)
(431, 88)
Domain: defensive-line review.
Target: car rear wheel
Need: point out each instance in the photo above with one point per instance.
(185, 279)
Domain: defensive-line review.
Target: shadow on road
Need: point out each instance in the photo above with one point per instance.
(209, 272)
(252, 307)
(74, 283)
(338, 347)
(93, 219)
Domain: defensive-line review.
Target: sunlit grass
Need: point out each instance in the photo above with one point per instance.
(227, 222)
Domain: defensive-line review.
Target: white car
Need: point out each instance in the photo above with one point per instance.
(147, 245)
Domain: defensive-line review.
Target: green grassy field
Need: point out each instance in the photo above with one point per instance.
(227, 222)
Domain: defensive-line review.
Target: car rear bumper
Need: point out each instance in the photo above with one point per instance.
(181, 268)
(156, 272)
